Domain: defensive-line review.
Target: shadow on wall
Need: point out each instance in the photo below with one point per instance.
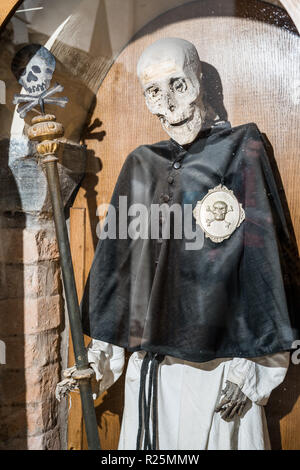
(93, 168)
(213, 90)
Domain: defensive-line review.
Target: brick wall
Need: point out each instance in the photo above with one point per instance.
(32, 319)
(31, 314)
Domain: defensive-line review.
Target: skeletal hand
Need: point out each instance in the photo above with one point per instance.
(233, 403)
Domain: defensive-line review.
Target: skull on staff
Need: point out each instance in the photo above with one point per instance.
(33, 66)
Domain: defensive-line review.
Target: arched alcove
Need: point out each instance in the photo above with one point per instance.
(249, 54)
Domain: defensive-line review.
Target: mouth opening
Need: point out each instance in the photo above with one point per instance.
(36, 88)
(180, 123)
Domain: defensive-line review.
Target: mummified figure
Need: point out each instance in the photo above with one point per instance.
(207, 323)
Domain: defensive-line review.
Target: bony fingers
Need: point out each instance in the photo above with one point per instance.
(234, 411)
(230, 409)
(244, 400)
(227, 385)
(226, 411)
(224, 402)
(236, 394)
(241, 409)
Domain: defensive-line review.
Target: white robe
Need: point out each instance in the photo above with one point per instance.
(188, 393)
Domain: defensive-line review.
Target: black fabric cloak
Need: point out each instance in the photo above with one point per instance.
(237, 298)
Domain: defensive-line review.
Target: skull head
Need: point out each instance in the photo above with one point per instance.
(220, 210)
(33, 67)
(170, 74)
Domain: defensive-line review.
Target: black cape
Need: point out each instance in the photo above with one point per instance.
(237, 298)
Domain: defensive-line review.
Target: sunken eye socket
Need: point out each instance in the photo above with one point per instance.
(178, 85)
(153, 92)
(36, 69)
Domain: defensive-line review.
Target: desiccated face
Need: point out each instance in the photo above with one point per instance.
(220, 210)
(170, 74)
(37, 75)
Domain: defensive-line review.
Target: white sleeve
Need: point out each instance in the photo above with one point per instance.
(107, 361)
(258, 376)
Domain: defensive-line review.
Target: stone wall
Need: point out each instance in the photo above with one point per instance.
(31, 312)
(33, 323)
(31, 301)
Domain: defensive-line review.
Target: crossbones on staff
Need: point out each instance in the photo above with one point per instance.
(43, 98)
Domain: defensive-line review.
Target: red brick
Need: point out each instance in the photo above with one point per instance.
(27, 246)
(42, 279)
(47, 441)
(30, 315)
(19, 443)
(37, 280)
(13, 422)
(41, 417)
(32, 385)
(37, 350)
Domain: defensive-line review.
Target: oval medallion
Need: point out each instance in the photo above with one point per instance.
(219, 213)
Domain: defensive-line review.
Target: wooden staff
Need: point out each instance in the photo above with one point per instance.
(46, 130)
